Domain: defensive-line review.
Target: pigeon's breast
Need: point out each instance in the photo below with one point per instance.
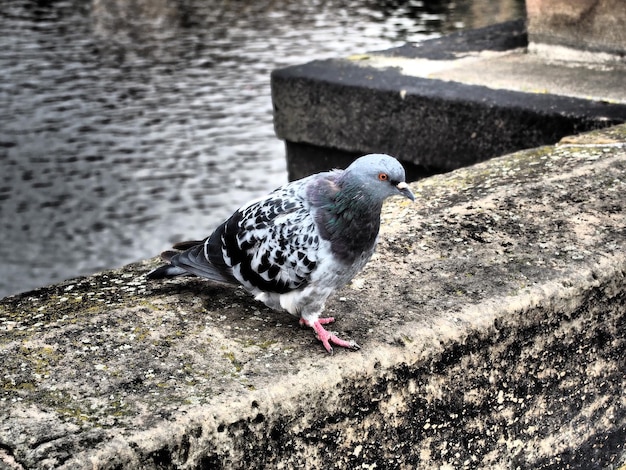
(334, 271)
(352, 235)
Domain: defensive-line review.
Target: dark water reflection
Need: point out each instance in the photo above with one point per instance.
(130, 124)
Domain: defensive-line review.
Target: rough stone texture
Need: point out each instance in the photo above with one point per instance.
(492, 323)
(594, 25)
(440, 105)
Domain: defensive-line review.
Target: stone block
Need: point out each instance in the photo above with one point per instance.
(419, 104)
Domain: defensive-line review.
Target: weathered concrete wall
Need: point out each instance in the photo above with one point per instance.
(491, 320)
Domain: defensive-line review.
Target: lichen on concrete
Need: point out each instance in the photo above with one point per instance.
(491, 322)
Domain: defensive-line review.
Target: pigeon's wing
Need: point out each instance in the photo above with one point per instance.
(272, 244)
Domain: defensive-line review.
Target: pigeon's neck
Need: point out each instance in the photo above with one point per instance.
(352, 222)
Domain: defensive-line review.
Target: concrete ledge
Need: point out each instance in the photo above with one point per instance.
(441, 105)
(492, 322)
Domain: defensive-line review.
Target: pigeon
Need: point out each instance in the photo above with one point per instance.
(299, 244)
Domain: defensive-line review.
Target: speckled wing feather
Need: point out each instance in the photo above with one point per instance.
(271, 244)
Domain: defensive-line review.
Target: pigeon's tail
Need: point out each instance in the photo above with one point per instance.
(182, 246)
(189, 262)
(165, 271)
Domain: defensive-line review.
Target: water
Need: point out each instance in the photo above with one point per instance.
(127, 125)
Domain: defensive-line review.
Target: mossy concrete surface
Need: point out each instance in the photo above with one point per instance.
(491, 320)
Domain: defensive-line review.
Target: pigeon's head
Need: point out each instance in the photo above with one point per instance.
(381, 175)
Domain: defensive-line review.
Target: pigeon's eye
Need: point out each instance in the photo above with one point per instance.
(383, 176)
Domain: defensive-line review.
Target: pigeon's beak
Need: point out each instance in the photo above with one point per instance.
(405, 190)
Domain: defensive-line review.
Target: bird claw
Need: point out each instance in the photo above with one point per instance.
(326, 337)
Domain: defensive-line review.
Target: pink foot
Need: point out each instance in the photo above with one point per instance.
(327, 337)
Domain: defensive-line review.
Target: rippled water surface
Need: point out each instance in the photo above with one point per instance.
(130, 124)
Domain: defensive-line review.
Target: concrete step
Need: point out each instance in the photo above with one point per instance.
(441, 104)
(491, 320)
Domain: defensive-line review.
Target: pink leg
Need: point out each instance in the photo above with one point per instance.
(323, 321)
(327, 337)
